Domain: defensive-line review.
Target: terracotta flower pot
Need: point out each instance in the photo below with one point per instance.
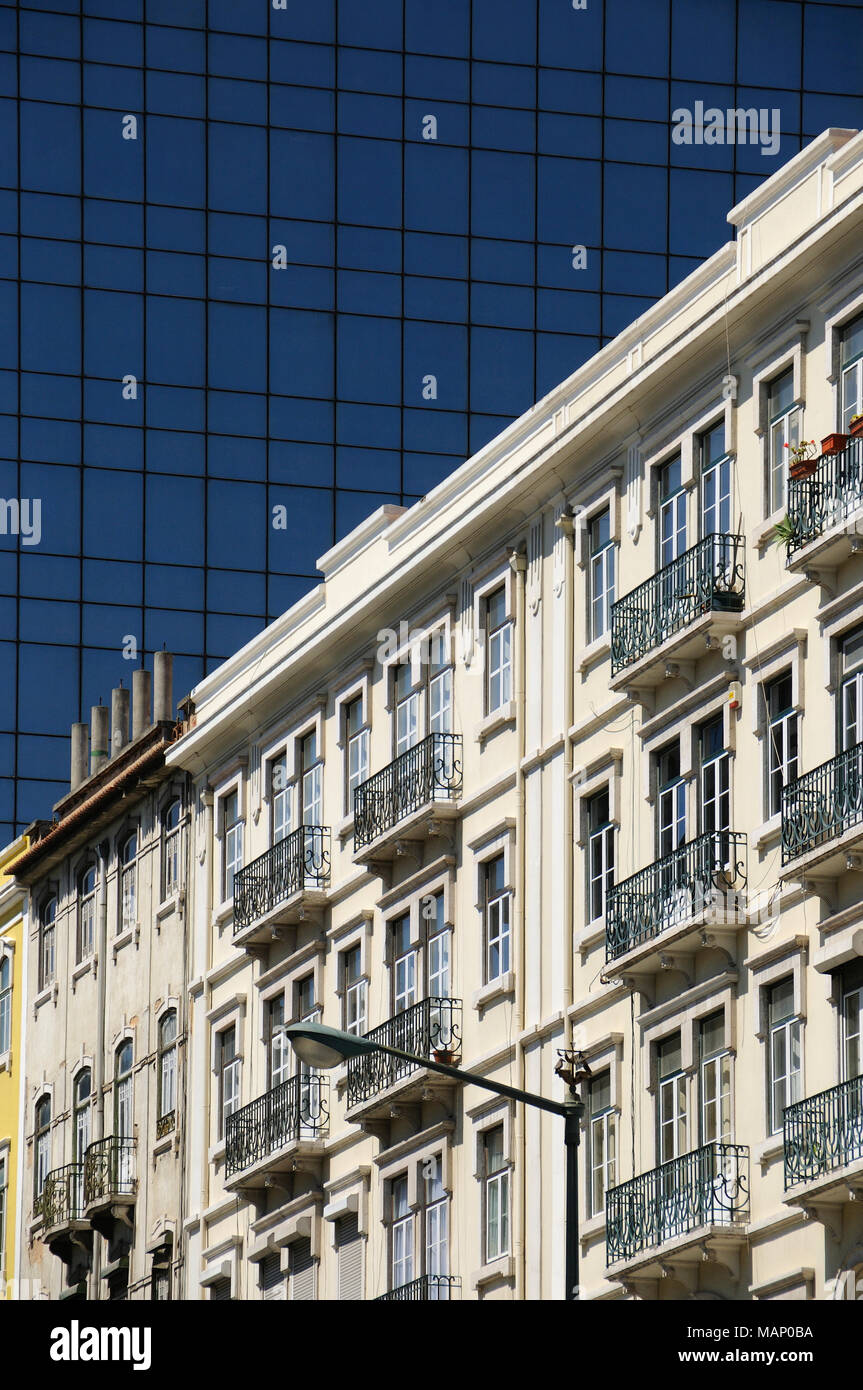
(856, 427)
(803, 468)
(834, 443)
(445, 1056)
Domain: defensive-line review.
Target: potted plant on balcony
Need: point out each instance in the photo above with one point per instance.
(856, 425)
(447, 1056)
(833, 444)
(783, 531)
(804, 459)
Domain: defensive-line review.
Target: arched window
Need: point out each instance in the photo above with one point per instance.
(43, 1144)
(81, 1131)
(87, 913)
(167, 1073)
(128, 883)
(47, 943)
(123, 1119)
(171, 849)
(5, 1003)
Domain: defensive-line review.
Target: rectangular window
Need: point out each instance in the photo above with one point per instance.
(851, 732)
(498, 630)
(672, 513)
(401, 1235)
(439, 687)
(715, 769)
(783, 429)
(4, 1188)
(407, 703)
(715, 483)
(781, 740)
(714, 1080)
(603, 1143)
(671, 803)
(602, 566)
(783, 1052)
(357, 742)
(5, 1003)
(271, 1279)
(278, 1058)
(436, 1229)
(852, 1021)
(229, 1076)
(496, 912)
(495, 1177)
(312, 780)
(280, 799)
(600, 854)
(852, 371)
(355, 989)
(671, 1100)
(232, 842)
(437, 949)
(404, 964)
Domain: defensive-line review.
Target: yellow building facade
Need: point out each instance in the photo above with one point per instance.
(12, 945)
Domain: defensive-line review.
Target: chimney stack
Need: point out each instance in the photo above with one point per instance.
(119, 719)
(100, 717)
(141, 689)
(80, 754)
(163, 683)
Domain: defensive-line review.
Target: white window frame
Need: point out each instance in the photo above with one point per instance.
(773, 966)
(236, 787)
(785, 353)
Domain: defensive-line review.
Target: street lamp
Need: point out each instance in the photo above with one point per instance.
(316, 1045)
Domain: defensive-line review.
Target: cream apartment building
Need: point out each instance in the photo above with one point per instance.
(565, 757)
(100, 1204)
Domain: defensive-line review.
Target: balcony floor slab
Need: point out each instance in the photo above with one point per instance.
(293, 910)
(831, 1189)
(697, 933)
(282, 1160)
(682, 1251)
(412, 1089)
(415, 828)
(690, 643)
(830, 860)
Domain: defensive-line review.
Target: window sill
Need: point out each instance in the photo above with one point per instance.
(165, 1145)
(125, 938)
(216, 1152)
(769, 834)
(222, 914)
(345, 828)
(503, 718)
(769, 1150)
(763, 534)
(49, 992)
(592, 1228)
(169, 906)
(6, 1061)
(504, 1268)
(83, 969)
(595, 651)
(501, 988)
(591, 935)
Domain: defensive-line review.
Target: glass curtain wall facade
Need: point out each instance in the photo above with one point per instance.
(265, 266)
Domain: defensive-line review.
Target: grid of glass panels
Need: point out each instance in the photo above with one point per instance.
(309, 257)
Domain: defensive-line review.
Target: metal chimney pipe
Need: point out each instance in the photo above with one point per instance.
(163, 686)
(141, 695)
(119, 719)
(100, 725)
(80, 754)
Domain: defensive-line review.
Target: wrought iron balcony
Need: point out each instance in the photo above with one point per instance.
(298, 1108)
(827, 498)
(706, 578)
(822, 804)
(109, 1170)
(299, 863)
(428, 1288)
(433, 1025)
(62, 1198)
(430, 772)
(823, 1132)
(690, 881)
(707, 1187)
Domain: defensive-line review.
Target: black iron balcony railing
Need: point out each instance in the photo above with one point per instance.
(428, 1288)
(298, 1108)
(822, 803)
(430, 771)
(300, 861)
(433, 1025)
(62, 1197)
(708, 576)
(109, 1169)
(697, 877)
(708, 1187)
(828, 497)
(823, 1132)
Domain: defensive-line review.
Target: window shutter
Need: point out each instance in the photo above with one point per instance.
(350, 1247)
(272, 1279)
(220, 1291)
(302, 1271)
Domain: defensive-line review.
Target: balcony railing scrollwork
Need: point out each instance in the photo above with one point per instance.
(109, 1169)
(433, 1025)
(428, 1288)
(823, 1132)
(62, 1197)
(822, 804)
(828, 497)
(708, 576)
(430, 771)
(300, 861)
(707, 1187)
(298, 1108)
(697, 877)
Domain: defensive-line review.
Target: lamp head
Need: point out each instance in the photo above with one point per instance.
(319, 1046)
